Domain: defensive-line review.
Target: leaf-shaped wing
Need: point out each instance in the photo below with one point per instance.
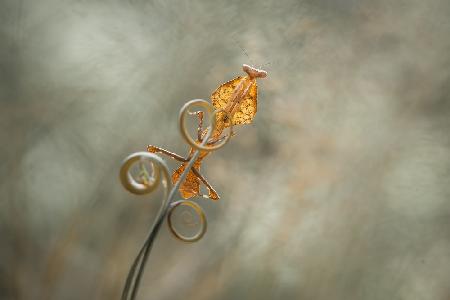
(247, 110)
(222, 96)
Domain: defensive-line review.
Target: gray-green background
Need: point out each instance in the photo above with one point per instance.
(339, 189)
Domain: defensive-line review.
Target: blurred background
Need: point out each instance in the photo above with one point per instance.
(339, 189)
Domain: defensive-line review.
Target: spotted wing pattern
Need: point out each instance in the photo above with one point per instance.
(247, 111)
(221, 97)
(191, 185)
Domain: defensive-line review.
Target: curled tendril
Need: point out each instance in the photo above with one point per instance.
(148, 184)
(201, 215)
(135, 187)
(212, 113)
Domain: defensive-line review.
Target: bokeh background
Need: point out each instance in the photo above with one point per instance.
(339, 189)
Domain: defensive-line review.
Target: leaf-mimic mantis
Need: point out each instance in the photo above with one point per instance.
(237, 102)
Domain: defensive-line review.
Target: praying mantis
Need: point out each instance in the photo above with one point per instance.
(233, 103)
(236, 104)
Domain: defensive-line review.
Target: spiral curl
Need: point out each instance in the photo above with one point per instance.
(212, 112)
(198, 210)
(139, 188)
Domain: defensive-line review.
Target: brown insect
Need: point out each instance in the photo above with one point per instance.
(237, 100)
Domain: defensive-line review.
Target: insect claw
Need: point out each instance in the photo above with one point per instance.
(213, 195)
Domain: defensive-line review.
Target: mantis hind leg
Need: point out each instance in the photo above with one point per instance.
(212, 194)
(154, 149)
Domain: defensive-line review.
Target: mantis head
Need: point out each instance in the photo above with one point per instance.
(253, 72)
